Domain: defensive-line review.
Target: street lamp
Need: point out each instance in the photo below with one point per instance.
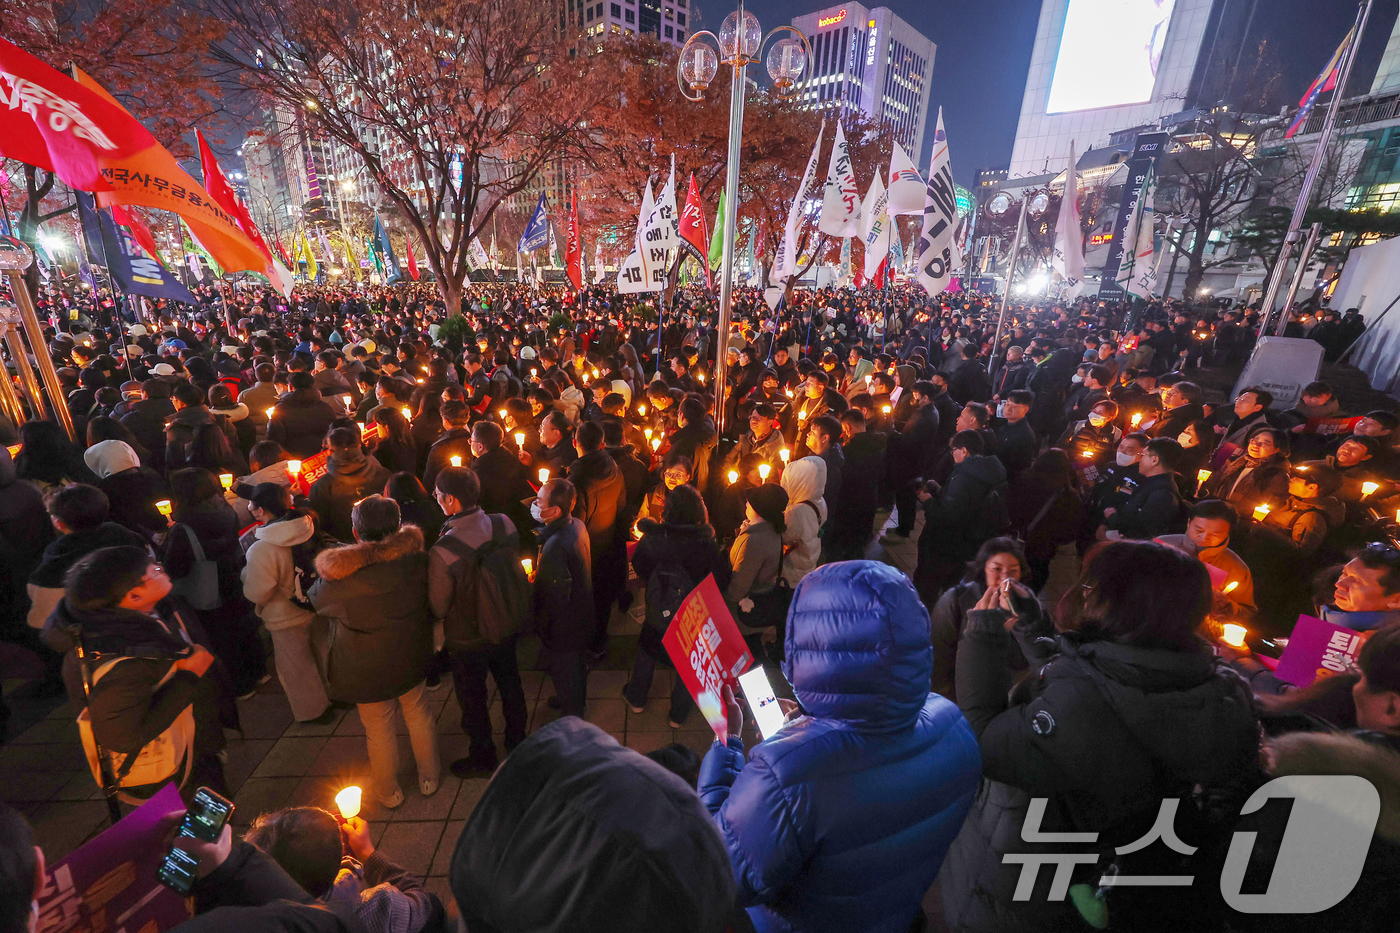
(739, 44)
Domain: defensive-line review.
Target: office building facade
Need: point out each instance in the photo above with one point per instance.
(668, 20)
(871, 61)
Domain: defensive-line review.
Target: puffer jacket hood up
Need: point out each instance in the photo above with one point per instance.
(575, 832)
(806, 858)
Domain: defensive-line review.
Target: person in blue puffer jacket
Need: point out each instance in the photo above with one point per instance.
(840, 821)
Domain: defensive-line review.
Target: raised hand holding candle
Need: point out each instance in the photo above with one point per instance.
(1233, 635)
(348, 802)
(226, 479)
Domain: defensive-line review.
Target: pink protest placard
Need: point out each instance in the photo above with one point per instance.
(1318, 649)
(110, 882)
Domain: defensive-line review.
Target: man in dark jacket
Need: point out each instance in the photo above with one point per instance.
(472, 656)
(300, 418)
(456, 441)
(852, 509)
(374, 593)
(563, 584)
(79, 514)
(954, 513)
(1182, 406)
(351, 474)
(556, 441)
(147, 419)
(636, 476)
(1154, 508)
(912, 454)
(600, 501)
(694, 439)
(1016, 441)
(969, 382)
(505, 481)
(578, 833)
(1012, 375)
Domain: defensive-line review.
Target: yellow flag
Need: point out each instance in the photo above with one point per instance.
(305, 255)
(352, 265)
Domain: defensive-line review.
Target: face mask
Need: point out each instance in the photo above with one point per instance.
(1186, 440)
(1098, 421)
(1076, 378)
(1126, 460)
(537, 516)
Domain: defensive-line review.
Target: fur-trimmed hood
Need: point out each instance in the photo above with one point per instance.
(1341, 753)
(341, 562)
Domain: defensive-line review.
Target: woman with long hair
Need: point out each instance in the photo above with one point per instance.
(204, 529)
(396, 451)
(1129, 707)
(107, 428)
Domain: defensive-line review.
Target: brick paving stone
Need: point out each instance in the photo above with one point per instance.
(442, 861)
(290, 756)
(412, 844)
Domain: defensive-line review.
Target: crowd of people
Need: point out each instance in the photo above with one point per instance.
(370, 499)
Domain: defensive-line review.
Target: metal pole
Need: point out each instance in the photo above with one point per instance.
(1006, 296)
(1298, 277)
(27, 381)
(731, 199)
(29, 317)
(1295, 225)
(9, 400)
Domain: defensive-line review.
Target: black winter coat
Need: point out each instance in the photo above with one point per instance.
(563, 598)
(505, 483)
(689, 548)
(1153, 509)
(299, 422)
(147, 420)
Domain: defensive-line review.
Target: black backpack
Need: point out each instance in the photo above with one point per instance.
(992, 519)
(304, 575)
(491, 586)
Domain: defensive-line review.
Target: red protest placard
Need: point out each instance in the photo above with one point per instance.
(708, 651)
(110, 882)
(312, 469)
(1318, 649)
(1330, 425)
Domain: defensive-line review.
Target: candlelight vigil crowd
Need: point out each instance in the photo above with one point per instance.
(356, 497)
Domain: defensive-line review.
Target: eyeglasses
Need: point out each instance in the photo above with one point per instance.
(678, 476)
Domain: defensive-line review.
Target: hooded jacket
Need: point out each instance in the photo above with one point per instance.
(577, 833)
(805, 482)
(840, 821)
(375, 594)
(269, 577)
(350, 476)
(601, 499)
(1104, 731)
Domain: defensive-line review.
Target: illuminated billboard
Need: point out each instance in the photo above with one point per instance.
(1109, 55)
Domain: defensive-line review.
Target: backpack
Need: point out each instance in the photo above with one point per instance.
(490, 587)
(992, 518)
(304, 575)
(667, 588)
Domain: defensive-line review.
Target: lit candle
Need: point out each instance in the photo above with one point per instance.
(455, 460)
(789, 392)
(784, 454)
(648, 432)
(533, 371)
(763, 471)
(361, 426)
(1233, 635)
(348, 802)
(641, 410)
(420, 382)
(595, 374)
(1202, 475)
(226, 479)
(502, 413)
(656, 443)
(164, 507)
(1231, 586)
(1261, 512)
(733, 477)
(269, 413)
(519, 438)
(1137, 419)
(528, 564)
(701, 377)
(407, 412)
(544, 475)
(885, 409)
(294, 467)
(1087, 455)
(1368, 488)
(802, 415)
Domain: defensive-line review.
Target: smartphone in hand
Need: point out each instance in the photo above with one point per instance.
(764, 704)
(205, 821)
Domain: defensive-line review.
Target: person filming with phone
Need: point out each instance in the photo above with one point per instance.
(840, 819)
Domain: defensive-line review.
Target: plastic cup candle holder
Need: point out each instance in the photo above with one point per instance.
(784, 454)
(763, 471)
(656, 443)
(1137, 419)
(885, 409)
(519, 438)
(733, 477)
(544, 475)
(226, 479)
(407, 413)
(164, 507)
(455, 460)
(1368, 488)
(1202, 475)
(1231, 587)
(294, 467)
(528, 564)
(1261, 512)
(348, 802)
(502, 413)
(1233, 635)
(641, 410)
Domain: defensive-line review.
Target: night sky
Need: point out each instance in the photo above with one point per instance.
(984, 49)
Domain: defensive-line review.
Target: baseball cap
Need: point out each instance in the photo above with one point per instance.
(271, 497)
(137, 330)
(162, 369)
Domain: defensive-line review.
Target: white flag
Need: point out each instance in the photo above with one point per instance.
(877, 226)
(841, 204)
(938, 253)
(667, 218)
(1068, 257)
(906, 184)
(785, 262)
(1136, 274)
(495, 257)
(478, 254)
(598, 273)
(635, 273)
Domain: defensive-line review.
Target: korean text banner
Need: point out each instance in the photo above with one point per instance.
(708, 651)
(1318, 649)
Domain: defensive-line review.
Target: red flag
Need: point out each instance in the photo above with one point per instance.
(223, 194)
(693, 229)
(573, 249)
(138, 228)
(282, 251)
(412, 263)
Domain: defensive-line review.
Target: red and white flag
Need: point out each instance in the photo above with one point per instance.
(573, 248)
(695, 235)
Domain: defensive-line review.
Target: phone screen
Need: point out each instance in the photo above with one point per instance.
(766, 711)
(206, 818)
(177, 871)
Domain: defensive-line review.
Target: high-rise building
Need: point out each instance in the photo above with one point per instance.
(872, 61)
(1100, 66)
(668, 20)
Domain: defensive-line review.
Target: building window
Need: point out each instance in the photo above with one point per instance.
(680, 35)
(616, 10)
(670, 13)
(670, 33)
(630, 16)
(600, 11)
(680, 19)
(590, 18)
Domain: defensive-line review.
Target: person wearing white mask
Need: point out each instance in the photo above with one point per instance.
(1116, 484)
(1091, 442)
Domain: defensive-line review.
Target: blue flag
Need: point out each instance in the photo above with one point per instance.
(386, 252)
(536, 231)
(132, 271)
